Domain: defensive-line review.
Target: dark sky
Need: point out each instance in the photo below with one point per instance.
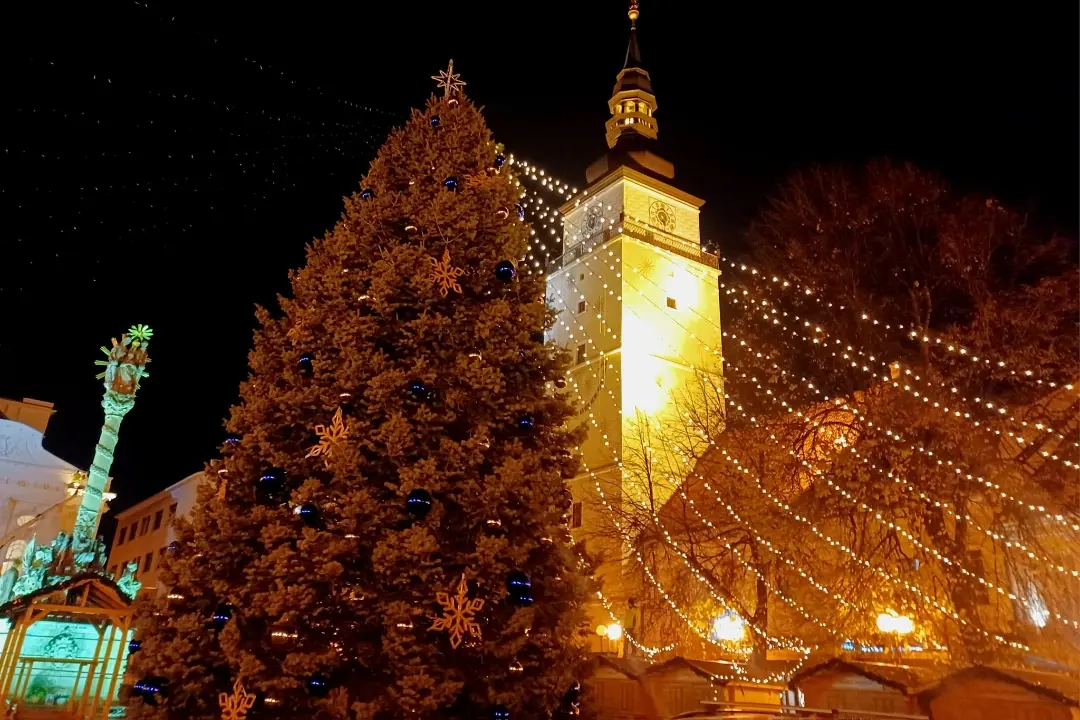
(164, 163)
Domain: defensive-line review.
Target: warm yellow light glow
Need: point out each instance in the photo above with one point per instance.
(891, 622)
(729, 627)
(614, 632)
(601, 630)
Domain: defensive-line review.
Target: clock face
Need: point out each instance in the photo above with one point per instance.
(662, 215)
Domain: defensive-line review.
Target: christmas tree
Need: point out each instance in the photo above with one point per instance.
(387, 537)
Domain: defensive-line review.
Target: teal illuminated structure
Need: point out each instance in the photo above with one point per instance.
(65, 624)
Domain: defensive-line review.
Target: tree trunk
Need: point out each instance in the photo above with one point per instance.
(760, 619)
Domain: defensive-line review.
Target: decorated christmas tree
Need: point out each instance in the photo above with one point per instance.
(387, 534)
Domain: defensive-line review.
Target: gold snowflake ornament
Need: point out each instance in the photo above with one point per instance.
(235, 705)
(445, 275)
(329, 437)
(458, 613)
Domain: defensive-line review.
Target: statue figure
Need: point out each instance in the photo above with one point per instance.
(33, 576)
(7, 585)
(127, 582)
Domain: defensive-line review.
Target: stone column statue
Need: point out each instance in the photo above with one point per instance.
(125, 367)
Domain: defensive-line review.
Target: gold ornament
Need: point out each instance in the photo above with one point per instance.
(329, 437)
(235, 706)
(458, 613)
(445, 274)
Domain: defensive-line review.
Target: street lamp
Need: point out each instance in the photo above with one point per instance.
(891, 622)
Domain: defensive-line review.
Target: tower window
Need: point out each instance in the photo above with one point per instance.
(575, 518)
(672, 304)
(123, 536)
(580, 354)
(581, 306)
(581, 277)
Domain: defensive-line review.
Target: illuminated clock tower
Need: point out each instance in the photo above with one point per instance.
(639, 309)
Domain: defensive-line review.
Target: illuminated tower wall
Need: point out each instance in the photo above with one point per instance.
(638, 304)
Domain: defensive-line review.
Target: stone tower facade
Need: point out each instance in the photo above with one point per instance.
(639, 309)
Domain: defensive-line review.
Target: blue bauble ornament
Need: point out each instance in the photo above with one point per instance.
(434, 121)
(418, 503)
(519, 587)
(505, 271)
(133, 646)
(450, 183)
(318, 685)
(152, 688)
(500, 160)
(499, 712)
(222, 615)
(309, 514)
(520, 210)
(174, 547)
(367, 194)
(232, 440)
(418, 390)
(271, 485)
(526, 423)
(307, 364)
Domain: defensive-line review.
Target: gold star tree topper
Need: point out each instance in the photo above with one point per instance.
(459, 613)
(445, 275)
(329, 437)
(235, 705)
(449, 82)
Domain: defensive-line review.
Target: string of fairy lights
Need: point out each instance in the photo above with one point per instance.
(542, 195)
(926, 337)
(772, 315)
(998, 638)
(879, 515)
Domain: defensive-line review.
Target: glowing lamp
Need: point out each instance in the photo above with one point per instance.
(614, 632)
(893, 623)
(601, 630)
(728, 626)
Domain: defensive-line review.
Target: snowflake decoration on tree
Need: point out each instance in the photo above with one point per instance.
(235, 705)
(445, 275)
(329, 436)
(458, 613)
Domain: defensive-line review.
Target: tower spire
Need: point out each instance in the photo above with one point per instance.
(632, 103)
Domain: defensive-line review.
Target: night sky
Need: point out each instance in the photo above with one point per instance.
(165, 163)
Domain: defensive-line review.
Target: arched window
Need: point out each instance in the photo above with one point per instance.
(14, 552)
(23, 519)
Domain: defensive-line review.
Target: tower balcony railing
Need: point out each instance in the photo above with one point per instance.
(639, 231)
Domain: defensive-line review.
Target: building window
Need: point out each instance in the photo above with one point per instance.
(131, 532)
(575, 517)
(145, 525)
(671, 303)
(123, 535)
(580, 306)
(580, 354)
(157, 518)
(582, 277)
(172, 510)
(148, 562)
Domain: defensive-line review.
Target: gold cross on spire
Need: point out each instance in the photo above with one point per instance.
(449, 82)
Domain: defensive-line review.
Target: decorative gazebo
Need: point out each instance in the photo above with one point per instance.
(66, 646)
(65, 623)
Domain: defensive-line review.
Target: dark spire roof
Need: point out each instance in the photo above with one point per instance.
(633, 52)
